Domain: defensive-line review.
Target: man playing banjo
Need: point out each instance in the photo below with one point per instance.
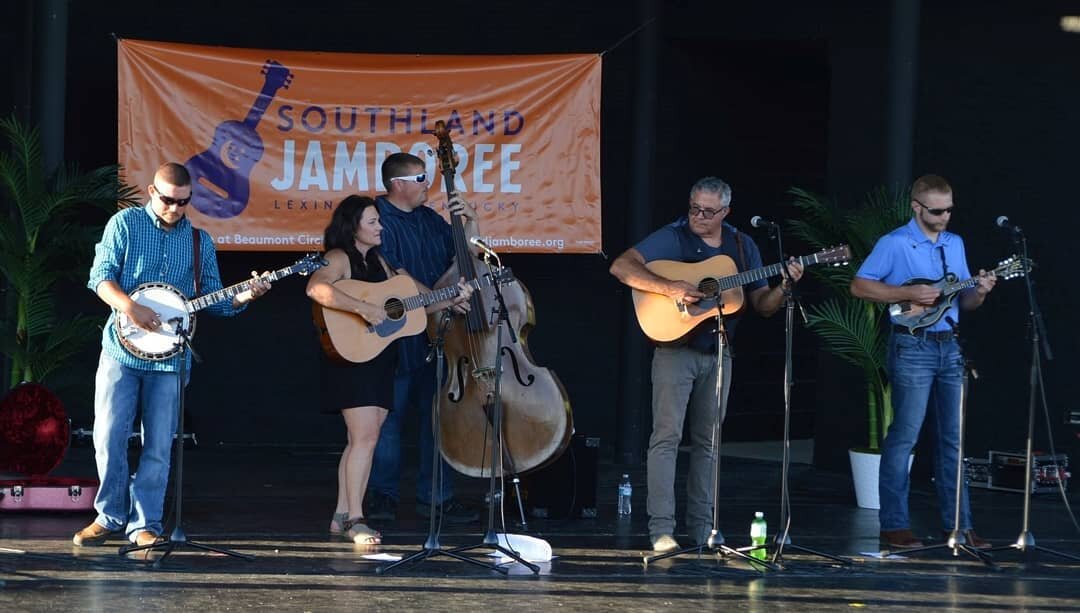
(155, 243)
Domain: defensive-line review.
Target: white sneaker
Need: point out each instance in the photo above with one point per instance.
(664, 543)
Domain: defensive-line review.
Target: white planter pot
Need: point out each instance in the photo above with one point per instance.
(864, 471)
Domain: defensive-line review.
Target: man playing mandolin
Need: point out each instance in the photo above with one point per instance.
(925, 366)
(685, 373)
(154, 243)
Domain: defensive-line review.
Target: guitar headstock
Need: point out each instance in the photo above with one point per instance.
(277, 76)
(1013, 266)
(836, 256)
(309, 264)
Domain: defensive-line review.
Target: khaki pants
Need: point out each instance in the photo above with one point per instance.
(684, 379)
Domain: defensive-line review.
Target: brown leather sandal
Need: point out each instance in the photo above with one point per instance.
(361, 533)
(337, 523)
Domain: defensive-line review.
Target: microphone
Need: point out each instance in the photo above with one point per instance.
(483, 247)
(760, 222)
(1004, 223)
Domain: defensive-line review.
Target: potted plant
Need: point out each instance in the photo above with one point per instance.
(850, 328)
(44, 239)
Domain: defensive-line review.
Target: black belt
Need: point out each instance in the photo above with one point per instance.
(944, 335)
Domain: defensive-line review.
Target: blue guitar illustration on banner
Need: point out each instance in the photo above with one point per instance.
(221, 175)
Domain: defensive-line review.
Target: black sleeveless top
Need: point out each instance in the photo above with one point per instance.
(347, 385)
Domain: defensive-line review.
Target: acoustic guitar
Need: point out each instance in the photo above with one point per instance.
(916, 316)
(348, 337)
(665, 319)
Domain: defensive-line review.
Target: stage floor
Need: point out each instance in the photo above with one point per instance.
(275, 503)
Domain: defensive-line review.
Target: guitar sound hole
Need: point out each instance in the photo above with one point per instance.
(709, 287)
(395, 308)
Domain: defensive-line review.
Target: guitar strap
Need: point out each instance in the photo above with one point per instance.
(742, 252)
(198, 258)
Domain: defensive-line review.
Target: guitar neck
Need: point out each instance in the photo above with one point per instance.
(757, 274)
(442, 294)
(197, 304)
(262, 102)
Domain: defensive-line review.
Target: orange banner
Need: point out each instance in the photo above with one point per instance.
(275, 139)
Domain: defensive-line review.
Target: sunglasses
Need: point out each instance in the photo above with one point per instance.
(420, 178)
(167, 201)
(704, 212)
(934, 212)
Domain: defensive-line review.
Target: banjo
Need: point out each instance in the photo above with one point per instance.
(177, 312)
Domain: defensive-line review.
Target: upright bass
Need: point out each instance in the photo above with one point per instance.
(536, 420)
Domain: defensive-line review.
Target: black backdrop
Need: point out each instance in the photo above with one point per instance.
(767, 97)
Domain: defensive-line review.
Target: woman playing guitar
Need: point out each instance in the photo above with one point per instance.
(363, 393)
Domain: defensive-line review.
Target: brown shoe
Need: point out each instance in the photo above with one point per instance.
(146, 537)
(970, 539)
(93, 535)
(143, 538)
(900, 539)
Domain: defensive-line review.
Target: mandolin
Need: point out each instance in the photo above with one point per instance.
(916, 316)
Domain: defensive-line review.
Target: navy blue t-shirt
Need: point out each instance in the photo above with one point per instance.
(676, 241)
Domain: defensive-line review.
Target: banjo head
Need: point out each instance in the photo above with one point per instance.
(172, 308)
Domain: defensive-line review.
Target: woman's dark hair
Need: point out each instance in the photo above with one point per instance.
(341, 233)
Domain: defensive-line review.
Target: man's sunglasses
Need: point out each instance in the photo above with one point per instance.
(167, 201)
(420, 178)
(934, 212)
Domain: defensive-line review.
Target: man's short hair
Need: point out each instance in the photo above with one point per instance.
(173, 174)
(930, 183)
(713, 185)
(398, 165)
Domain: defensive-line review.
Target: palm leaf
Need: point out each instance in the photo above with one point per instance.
(63, 342)
(851, 329)
(37, 242)
(848, 332)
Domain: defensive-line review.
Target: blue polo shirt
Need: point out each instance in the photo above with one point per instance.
(676, 241)
(906, 253)
(420, 242)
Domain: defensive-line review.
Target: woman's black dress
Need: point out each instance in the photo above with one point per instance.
(346, 385)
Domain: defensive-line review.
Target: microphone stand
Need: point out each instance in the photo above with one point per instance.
(715, 542)
(431, 546)
(178, 538)
(957, 542)
(491, 539)
(1026, 541)
(791, 300)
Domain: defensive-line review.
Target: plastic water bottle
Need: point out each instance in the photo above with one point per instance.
(625, 492)
(758, 532)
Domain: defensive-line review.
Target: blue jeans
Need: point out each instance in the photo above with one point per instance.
(927, 376)
(415, 389)
(125, 499)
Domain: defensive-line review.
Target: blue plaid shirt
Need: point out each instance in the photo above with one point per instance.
(136, 248)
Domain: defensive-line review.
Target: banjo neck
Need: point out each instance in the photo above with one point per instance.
(230, 292)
